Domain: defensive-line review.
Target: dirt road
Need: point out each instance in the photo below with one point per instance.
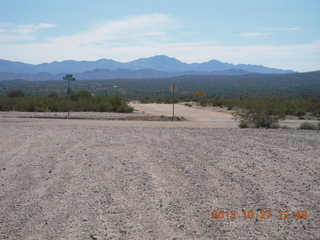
(190, 113)
(206, 116)
(86, 179)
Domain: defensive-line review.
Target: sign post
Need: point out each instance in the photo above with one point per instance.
(199, 93)
(173, 89)
(69, 78)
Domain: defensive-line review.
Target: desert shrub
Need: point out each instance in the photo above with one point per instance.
(274, 125)
(300, 113)
(52, 94)
(16, 93)
(81, 94)
(116, 102)
(41, 108)
(82, 102)
(243, 125)
(53, 108)
(309, 126)
(217, 104)
(125, 108)
(29, 106)
(204, 102)
(262, 113)
(246, 125)
(105, 107)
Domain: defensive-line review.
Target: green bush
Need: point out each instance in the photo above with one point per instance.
(274, 125)
(52, 94)
(81, 94)
(116, 102)
(243, 125)
(125, 108)
(300, 113)
(16, 93)
(263, 112)
(80, 102)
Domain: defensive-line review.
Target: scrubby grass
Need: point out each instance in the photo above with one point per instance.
(80, 101)
(289, 106)
(244, 125)
(266, 111)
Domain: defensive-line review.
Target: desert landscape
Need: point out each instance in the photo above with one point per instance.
(117, 179)
(159, 120)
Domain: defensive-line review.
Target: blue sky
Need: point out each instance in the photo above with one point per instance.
(276, 33)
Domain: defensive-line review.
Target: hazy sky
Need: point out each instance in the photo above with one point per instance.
(275, 33)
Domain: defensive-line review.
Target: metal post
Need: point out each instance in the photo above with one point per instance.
(69, 96)
(69, 78)
(173, 90)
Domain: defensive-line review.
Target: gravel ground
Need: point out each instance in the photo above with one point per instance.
(80, 179)
(134, 116)
(73, 115)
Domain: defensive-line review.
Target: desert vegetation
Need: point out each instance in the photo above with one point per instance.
(299, 107)
(259, 112)
(16, 100)
(267, 111)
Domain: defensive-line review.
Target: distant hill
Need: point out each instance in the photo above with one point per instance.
(103, 74)
(304, 85)
(164, 64)
(167, 64)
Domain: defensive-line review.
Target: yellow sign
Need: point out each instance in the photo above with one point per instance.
(199, 93)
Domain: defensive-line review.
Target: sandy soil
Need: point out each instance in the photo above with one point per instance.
(190, 113)
(197, 115)
(88, 179)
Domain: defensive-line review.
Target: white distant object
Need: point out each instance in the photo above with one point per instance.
(173, 88)
(115, 86)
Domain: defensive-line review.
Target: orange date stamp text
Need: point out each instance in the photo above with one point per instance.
(261, 214)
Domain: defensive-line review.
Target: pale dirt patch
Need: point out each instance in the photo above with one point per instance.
(197, 115)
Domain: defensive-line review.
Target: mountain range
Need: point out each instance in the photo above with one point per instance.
(153, 67)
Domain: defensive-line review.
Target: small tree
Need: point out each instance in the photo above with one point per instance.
(260, 112)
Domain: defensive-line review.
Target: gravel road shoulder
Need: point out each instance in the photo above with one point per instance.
(82, 179)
